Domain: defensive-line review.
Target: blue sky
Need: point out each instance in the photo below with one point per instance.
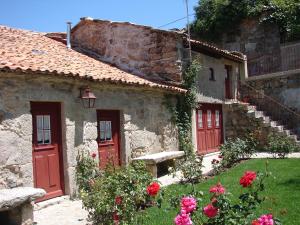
(51, 15)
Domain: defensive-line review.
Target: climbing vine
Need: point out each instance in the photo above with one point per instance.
(182, 112)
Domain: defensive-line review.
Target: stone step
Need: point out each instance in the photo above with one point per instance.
(293, 137)
(287, 132)
(279, 128)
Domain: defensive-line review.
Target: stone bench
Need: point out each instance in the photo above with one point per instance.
(154, 159)
(16, 206)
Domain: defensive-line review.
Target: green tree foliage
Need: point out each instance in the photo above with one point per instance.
(216, 17)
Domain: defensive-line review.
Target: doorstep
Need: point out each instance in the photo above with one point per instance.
(50, 202)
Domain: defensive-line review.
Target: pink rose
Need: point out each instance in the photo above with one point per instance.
(266, 220)
(210, 211)
(183, 219)
(217, 189)
(189, 204)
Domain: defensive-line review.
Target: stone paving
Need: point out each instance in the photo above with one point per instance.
(66, 212)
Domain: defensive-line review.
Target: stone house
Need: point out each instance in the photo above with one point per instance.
(161, 56)
(129, 69)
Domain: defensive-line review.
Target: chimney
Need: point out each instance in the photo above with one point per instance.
(69, 35)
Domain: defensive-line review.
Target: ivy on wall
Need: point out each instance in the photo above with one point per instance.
(216, 17)
(182, 112)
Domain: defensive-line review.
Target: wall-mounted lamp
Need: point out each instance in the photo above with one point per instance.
(87, 97)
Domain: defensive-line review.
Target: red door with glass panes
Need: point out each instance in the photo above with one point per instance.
(46, 154)
(108, 137)
(209, 128)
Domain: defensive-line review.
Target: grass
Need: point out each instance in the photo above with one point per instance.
(282, 191)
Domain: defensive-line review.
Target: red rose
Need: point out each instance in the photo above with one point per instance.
(118, 200)
(248, 178)
(255, 222)
(217, 189)
(153, 188)
(116, 216)
(94, 155)
(210, 211)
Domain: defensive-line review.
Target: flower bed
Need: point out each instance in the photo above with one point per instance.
(281, 195)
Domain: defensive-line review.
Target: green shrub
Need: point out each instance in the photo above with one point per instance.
(116, 195)
(189, 168)
(280, 145)
(236, 149)
(86, 171)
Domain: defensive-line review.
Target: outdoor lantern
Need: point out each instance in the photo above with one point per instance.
(87, 97)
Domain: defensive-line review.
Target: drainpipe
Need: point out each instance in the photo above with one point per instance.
(69, 35)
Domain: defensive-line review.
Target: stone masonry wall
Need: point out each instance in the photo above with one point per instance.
(260, 42)
(284, 89)
(145, 123)
(141, 50)
(239, 124)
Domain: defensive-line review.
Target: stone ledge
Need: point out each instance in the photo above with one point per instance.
(11, 198)
(160, 157)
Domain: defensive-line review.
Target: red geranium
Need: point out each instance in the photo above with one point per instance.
(248, 178)
(217, 189)
(210, 211)
(153, 189)
(118, 200)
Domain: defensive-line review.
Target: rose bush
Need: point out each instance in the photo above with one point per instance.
(116, 195)
(221, 210)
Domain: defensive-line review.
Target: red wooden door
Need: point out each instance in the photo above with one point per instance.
(47, 155)
(209, 128)
(108, 137)
(228, 82)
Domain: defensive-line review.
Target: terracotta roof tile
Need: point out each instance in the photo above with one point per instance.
(236, 56)
(30, 52)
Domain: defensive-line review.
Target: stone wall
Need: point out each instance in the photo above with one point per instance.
(140, 50)
(238, 124)
(145, 123)
(260, 42)
(284, 91)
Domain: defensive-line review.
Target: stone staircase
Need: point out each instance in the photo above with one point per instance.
(273, 126)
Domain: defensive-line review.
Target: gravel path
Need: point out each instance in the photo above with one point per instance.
(66, 212)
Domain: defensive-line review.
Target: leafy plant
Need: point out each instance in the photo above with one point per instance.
(182, 112)
(118, 195)
(280, 145)
(236, 149)
(214, 17)
(86, 170)
(189, 168)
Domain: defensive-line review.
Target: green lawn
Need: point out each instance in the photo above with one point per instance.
(282, 190)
